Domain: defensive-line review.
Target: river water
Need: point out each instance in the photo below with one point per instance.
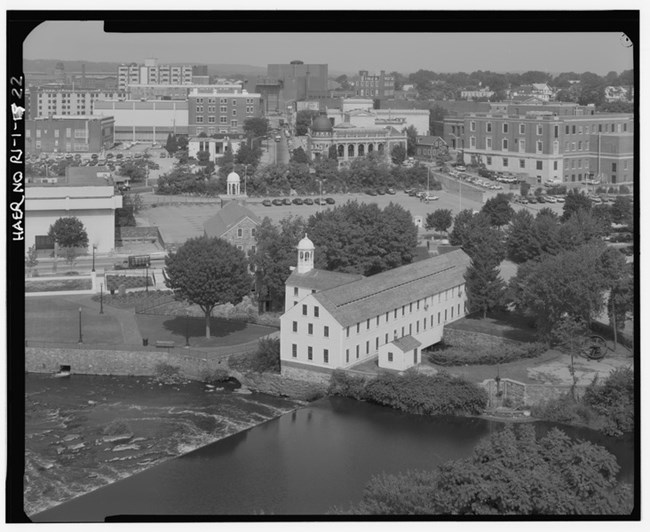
(305, 462)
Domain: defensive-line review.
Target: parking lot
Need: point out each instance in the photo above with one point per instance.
(179, 222)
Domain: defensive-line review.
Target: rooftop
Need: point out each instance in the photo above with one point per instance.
(406, 343)
(321, 279)
(371, 296)
(227, 218)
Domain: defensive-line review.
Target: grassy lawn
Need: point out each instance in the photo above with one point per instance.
(132, 299)
(517, 370)
(55, 319)
(502, 324)
(223, 332)
(57, 285)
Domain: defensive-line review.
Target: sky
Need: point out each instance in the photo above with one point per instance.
(499, 52)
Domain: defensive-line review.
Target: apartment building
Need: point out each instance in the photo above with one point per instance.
(154, 73)
(211, 111)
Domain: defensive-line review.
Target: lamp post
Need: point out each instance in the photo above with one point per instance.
(146, 278)
(81, 340)
(187, 328)
(94, 248)
(101, 298)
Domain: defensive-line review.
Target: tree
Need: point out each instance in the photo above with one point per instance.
(256, 127)
(226, 162)
(398, 154)
(484, 245)
(208, 272)
(135, 171)
(411, 140)
(332, 153)
(69, 233)
(362, 238)
(522, 243)
(182, 141)
(618, 279)
(299, 156)
(621, 210)
(512, 472)
(458, 234)
(440, 220)
(567, 284)
(602, 213)
(524, 188)
(304, 119)
(171, 145)
(437, 114)
(574, 202)
(274, 255)
(247, 155)
(31, 259)
(498, 210)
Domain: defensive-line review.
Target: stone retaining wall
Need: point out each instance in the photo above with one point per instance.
(520, 394)
(113, 362)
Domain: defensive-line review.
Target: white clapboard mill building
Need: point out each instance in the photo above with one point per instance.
(337, 320)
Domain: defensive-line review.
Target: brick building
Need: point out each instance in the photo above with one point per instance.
(548, 147)
(64, 100)
(377, 86)
(69, 134)
(212, 112)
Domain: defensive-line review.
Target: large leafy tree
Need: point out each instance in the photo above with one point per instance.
(621, 210)
(275, 254)
(362, 238)
(256, 127)
(303, 121)
(411, 140)
(574, 202)
(299, 156)
(398, 154)
(248, 155)
(439, 220)
(567, 284)
(208, 272)
(226, 162)
(618, 279)
(513, 472)
(498, 210)
(69, 232)
(522, 243)
(459, 233)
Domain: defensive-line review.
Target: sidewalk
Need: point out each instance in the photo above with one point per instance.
(126, 318)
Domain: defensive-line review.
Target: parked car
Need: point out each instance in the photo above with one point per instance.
(408, 191)
(308, 201)
(429, 197)
(331, 201)
(94, 156)
(297, 201)
(390, 191)
(267, 203)
(381, 191)
(461, 167)
(371, 192)
(163, 155)
(278, 138)
(119, 156)
(559, 199)
(277, 202)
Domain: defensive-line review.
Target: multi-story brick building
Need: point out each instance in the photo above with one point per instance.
(154, 73)
(378, 86)
(69, 134)
(548, 147)
(64, 100)
(336, 320)
(211, 111)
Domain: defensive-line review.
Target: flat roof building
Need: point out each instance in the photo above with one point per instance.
(69, 134)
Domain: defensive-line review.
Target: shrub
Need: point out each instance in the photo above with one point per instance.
(623, 189)
(167, 374)
(267, 356)
(614, 400)
(345, 385)
(415, 393)
(215, 376)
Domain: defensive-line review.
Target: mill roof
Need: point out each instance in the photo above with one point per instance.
(321, 279)
(371, 296)
(228, 217)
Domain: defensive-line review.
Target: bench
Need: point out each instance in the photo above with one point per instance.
(165, 343)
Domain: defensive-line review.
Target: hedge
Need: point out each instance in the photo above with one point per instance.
(415, 393)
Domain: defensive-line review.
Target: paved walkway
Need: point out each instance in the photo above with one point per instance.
(126, 318)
